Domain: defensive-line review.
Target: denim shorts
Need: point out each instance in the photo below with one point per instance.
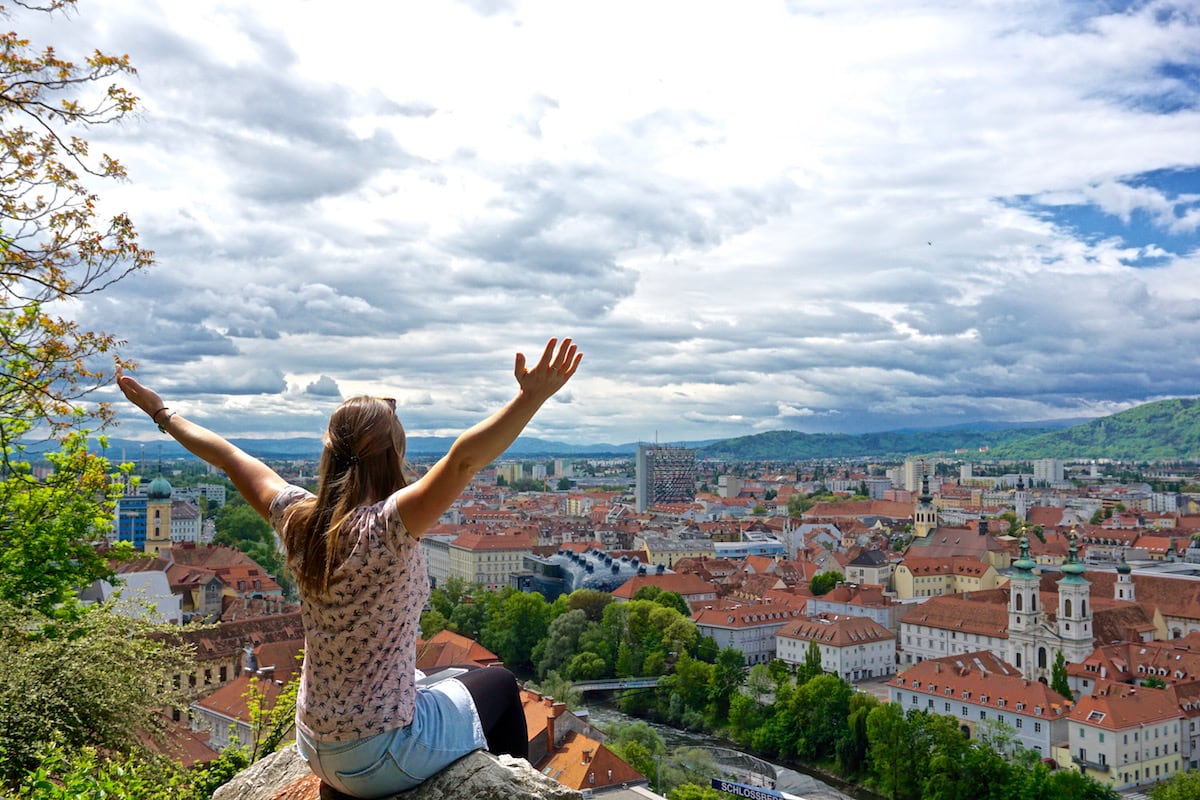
(445, 728)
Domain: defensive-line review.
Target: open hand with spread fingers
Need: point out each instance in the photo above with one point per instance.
(552, 371)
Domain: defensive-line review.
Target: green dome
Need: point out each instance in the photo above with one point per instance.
(159, 489)
(1025, 563)
(1123, 568)
(1073, 570)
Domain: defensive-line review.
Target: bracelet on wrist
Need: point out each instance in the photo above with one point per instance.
(154, 416)
(166, 418)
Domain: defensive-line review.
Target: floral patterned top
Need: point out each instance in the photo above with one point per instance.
(360, 641)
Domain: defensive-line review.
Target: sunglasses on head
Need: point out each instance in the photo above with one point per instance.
(391, 402)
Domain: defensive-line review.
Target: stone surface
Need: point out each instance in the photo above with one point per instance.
(478, 776)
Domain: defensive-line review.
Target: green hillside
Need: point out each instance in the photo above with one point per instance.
(794, 446)
(1163, 430)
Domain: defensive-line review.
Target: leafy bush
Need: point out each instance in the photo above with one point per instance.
(96, 679)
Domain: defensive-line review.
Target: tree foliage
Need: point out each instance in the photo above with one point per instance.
(820, 708)
(68, 774)
(695, 791)
(590, 601)
(96, 679)
(562, 641)
(1184, 786)
(824, 582)
(52, 530)
(54, 245)
(1059, 681)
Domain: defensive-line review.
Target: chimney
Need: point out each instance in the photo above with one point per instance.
(556, 710)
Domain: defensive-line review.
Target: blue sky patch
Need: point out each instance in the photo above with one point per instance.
(1139, 226)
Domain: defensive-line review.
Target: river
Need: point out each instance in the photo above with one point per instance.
(787, 780)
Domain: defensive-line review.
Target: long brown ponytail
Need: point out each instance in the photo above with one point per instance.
(363, 462)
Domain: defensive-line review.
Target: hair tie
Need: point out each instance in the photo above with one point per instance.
(344, 461)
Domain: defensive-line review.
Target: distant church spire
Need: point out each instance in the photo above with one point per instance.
(1021, 499)
(1124, 586)
(925, 517)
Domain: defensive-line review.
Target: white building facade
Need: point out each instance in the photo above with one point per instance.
(854, 648)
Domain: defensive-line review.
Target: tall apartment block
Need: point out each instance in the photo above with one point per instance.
(1048, 471)
(665, 474)
(915, 471)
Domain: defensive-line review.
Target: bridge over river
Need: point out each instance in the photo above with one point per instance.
(613, 684)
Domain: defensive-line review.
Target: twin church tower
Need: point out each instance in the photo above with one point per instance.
(1033, 639)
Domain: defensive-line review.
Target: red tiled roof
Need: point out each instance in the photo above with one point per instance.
(492, 542)
(748, 616)
(957, 565)
(957, 613)
(446, 648)
(685, 584)
(836, 630)
(1119, 706)
(583, 763)
(982, 679)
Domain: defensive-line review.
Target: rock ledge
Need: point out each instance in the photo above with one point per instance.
(478, 776)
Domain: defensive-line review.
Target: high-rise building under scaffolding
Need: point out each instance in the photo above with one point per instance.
(665, 474)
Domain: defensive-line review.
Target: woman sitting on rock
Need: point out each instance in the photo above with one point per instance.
(362, 723)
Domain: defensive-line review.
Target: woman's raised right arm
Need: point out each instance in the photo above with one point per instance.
(423, 502)
(253, 479)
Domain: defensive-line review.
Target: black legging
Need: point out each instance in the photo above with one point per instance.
(498, 701)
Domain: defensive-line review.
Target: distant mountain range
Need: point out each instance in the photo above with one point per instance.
(310, 448)
(1163, 430)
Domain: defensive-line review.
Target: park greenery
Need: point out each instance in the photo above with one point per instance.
(775, 710)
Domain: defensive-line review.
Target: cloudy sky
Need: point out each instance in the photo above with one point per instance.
(752, 216)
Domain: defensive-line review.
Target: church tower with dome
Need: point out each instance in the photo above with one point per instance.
(1024, 615)
(1074, 612)
(1034, 637)
(158, 516)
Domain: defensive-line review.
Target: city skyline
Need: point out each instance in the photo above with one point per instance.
(808, 216)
